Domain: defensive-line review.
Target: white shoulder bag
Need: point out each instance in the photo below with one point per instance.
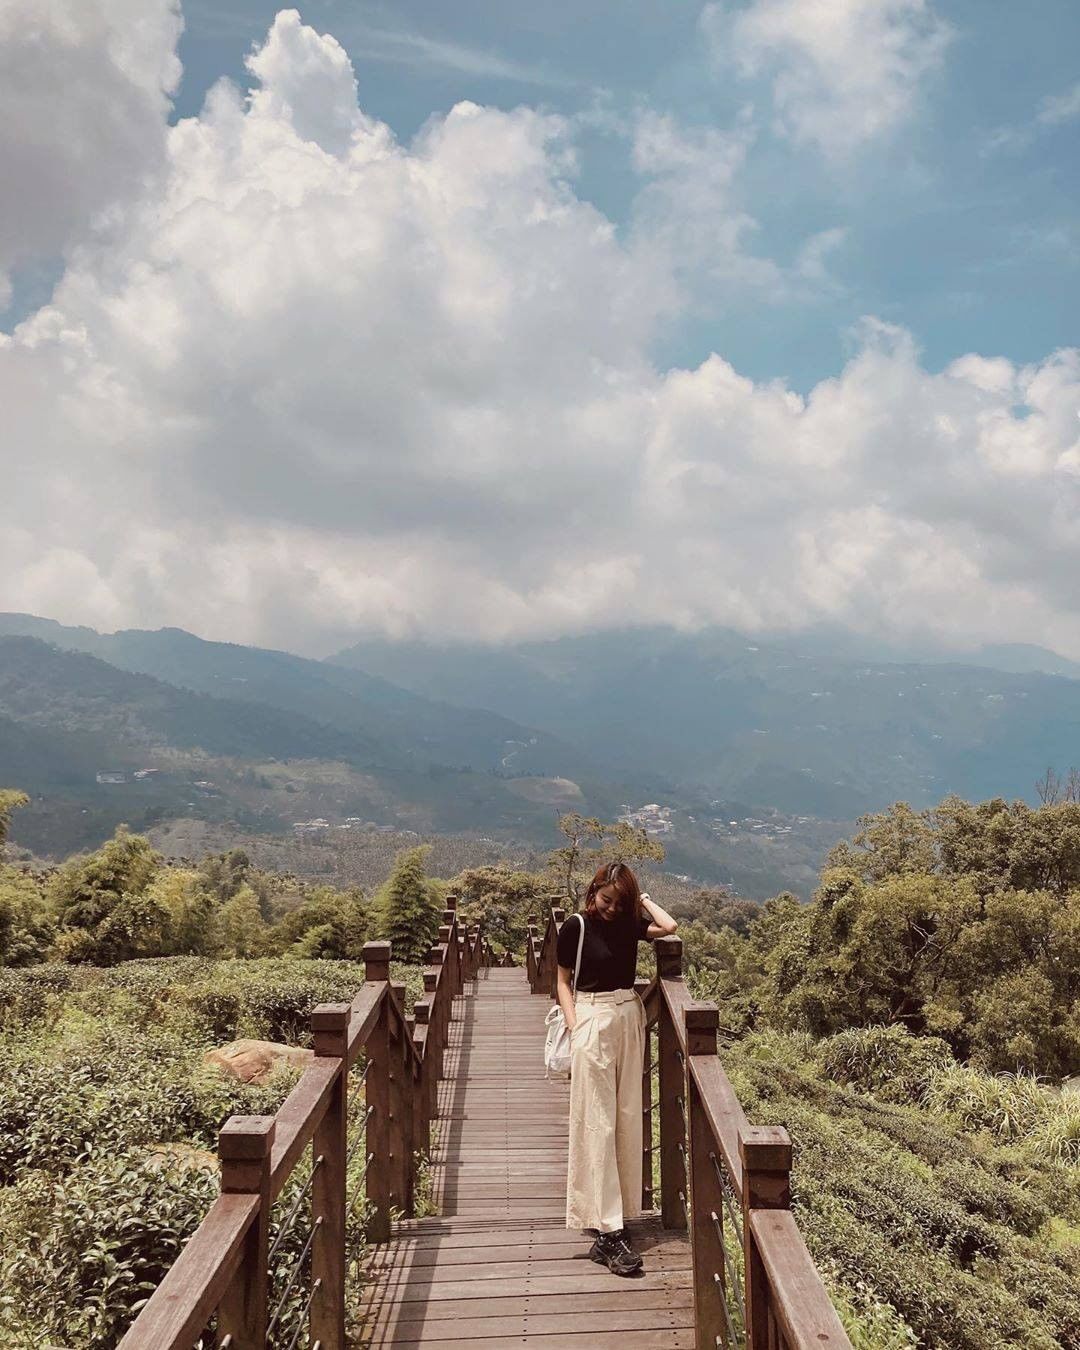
(557, 1041)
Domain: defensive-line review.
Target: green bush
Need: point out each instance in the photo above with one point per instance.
(26, 995)
(1057, 1135)
(1008, 1105)
(885, 1060)
(82, 1251)
(905, 1210)
(115, 1090)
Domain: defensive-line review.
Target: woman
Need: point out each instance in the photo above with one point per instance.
(607, 1046)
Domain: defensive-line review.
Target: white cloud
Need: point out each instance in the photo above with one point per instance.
(313, 379)
(843, 72)
(689, 211)
(1055, 110)
(84, 91)
(1058, 108)
(689, 207)
(402, 47)
(306, 79)
(812, 263)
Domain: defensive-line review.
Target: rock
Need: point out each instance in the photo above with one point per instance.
(184, 1155)
(253, 1061)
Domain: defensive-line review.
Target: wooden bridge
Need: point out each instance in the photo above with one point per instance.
(314, 1239)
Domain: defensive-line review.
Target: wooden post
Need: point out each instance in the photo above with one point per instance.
(449, 956)
(449, 927)
(541, 962)
(469, 943)
(244, 1146)
(558, 918)
(442, 990)
(530, 955)
(765, 1151)
(477, 947)
(330, 1032)
(403, 1068)
(433, 1050)
(706, 1204)
(425, 1046)
(646, 1110)
(672, 1081)
(377, 1178)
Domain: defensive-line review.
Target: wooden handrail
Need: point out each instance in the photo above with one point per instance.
(725, 1181)
(223, 1268)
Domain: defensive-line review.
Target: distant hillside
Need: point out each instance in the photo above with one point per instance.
(398, 725)
(748, 758)
(42, 686)
(95, 744)
(764, 721)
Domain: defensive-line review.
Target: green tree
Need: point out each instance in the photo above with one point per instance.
(715, 908)
(191, 909)
(10, 800)
(241, 926)
(328, 924)
(101, 906)
(862, 954)
(502, 898)
(26, 928)
(998, 845)
(590, 843)
(224, 873)
(406, 906)
(891, 843)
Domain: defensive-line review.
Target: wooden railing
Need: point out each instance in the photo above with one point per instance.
(725, 1181)
(225, 1288)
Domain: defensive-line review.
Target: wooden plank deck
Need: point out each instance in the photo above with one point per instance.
(497, 1267)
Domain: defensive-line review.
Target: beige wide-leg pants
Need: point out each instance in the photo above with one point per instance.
(607, 1048)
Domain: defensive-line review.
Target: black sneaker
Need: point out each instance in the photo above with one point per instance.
(614, 1251)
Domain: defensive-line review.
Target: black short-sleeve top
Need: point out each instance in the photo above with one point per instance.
(609, 954)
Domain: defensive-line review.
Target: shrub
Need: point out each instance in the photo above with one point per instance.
(81, 1252)
(885, 1060)
(104, 1089)
(905, 1211)
(1008, 1105)
(26, 995)
(1057, 1135)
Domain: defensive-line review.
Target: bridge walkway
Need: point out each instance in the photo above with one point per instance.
(496, 1267)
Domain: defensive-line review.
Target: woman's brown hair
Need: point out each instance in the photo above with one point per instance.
(627, 891)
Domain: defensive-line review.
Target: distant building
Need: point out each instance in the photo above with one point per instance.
(111, 776)
(652, 818)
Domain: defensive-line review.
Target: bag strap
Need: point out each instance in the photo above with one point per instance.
(580, 944)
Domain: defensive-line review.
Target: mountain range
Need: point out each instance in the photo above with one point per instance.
(755, 753)
(805, 725)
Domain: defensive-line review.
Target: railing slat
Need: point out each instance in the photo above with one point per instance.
(296, 1118)
(724, 1112)
(799, 1301)
(184, 1301)
(326, 1299)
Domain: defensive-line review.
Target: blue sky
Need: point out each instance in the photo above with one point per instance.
(962, 224)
